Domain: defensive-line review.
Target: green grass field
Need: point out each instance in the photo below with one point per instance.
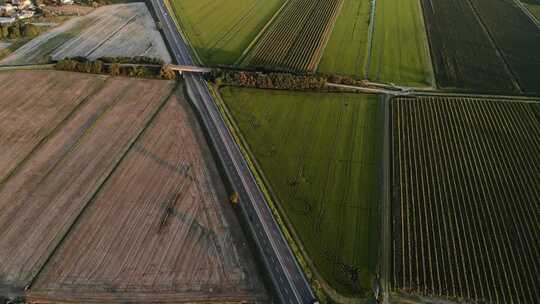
(400, 51)
(321, 154)
(220, 31)
(346, 50)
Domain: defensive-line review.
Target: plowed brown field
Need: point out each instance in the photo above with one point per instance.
(121, 202)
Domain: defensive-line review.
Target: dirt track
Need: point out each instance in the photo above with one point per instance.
(122, 203)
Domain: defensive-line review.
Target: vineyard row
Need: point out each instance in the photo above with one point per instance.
(296, 40)
(466, 199)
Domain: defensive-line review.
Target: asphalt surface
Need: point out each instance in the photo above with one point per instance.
(289, 282)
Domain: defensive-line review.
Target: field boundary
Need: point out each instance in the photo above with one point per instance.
(46, 66)
(385, 258)
(371, 30)
(312, 274)
(514, 98)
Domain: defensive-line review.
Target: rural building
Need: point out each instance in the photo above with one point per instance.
(5, 10)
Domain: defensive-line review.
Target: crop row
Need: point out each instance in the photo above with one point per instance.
(517, 38)
(297, 38)
(466, 198)
(463, 55)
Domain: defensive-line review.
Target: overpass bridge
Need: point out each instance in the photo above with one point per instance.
(190, 69)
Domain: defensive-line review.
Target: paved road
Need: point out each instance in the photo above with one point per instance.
(287, 277)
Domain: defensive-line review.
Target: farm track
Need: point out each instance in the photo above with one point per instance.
(123, 202)
(455, 233)
(301, 32)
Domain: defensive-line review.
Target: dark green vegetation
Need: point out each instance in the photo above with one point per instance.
(220, 31)
(400, 51)
(466, 195)
(345, 52)
(321, 156)
(517, 38)
(18, 30)
(281, 81)
(486, 45)
(132, 67)
(296, 39)
(462, 53)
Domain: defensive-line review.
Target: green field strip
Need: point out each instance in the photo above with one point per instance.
(316, 180)
(345, 52)
(400, 50)
(219, 32)
(49, 135)
(100, 186)
(286, 227)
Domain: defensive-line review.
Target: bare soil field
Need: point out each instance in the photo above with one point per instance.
(123, 203)
(29, 113)
(69, 10)
(115, 30)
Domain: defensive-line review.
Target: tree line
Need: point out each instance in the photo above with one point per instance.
(113, 68)
(279, 80)
(273, 80)
(19, 30)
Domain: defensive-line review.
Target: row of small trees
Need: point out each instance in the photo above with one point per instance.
(280, 81)
(115, 69)
(133, 60)
(18, 29)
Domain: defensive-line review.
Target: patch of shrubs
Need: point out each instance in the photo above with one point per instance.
(83, 65)
(19, 30)
(133, 60)
(273, 80)
(346, 80)
(279, 80)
